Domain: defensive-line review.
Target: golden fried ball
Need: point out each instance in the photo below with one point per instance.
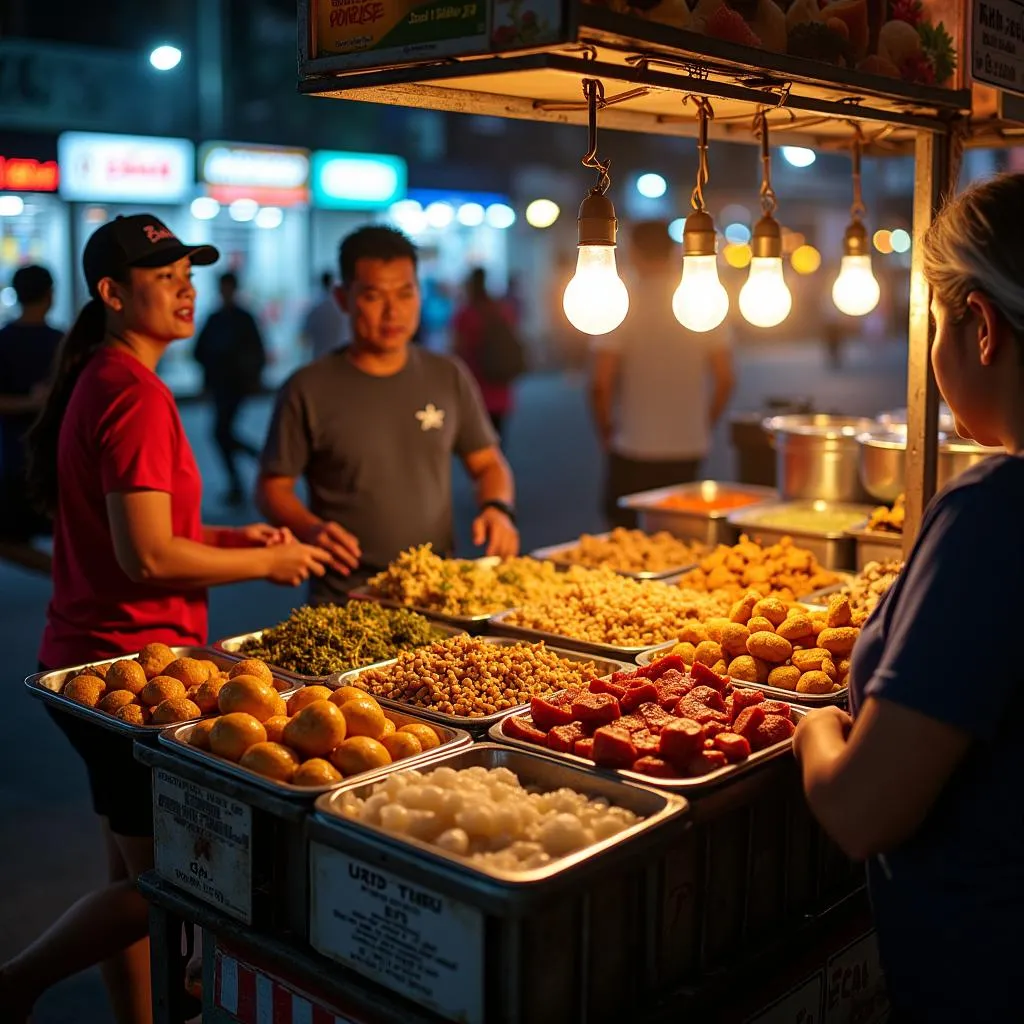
(206, 694)
(154, 658)
(769, 647)
(161, 688)
(190, 671)
(112, 702)
(272, 760)
(133, 714)
(252, 667)
(86, 690)
(126, 675)
(316, 772)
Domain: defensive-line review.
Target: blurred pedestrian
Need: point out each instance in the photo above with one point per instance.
(657, 389)
(488, 343)
(323, 330)
(28, 348)
(230, 351)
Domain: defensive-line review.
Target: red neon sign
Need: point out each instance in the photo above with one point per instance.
(23, 174)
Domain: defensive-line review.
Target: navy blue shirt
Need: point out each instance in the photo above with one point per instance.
(27, 355)
(948, 641)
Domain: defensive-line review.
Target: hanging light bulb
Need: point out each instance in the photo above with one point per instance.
(856, 291)
(765, 300)
(596, 300)
(700, 303)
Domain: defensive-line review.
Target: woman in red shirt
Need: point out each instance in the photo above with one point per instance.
(131, 564)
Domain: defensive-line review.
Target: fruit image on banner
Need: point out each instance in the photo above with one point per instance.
(900, 39)
(520, 24)
(407, 28)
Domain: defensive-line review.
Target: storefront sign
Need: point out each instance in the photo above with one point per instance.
(997, 43)
(417, 942)
(23, 174)
(357, 181)
(269, 174)
(125, 168)
(202, 843)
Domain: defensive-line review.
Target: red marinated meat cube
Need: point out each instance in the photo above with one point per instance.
(617, 690)
(690, 708)
(564, 698)
(658, 668)
(748, 721)
(584, 748)
(672, 676)
(646, 743)
(734, 746)
(613, 747)
(776, 707)
(708, 696)
(637, 695)
(562, 738)
(669, 694)
(655, 716)
(624, 676)
(705, 762)
(703, 676)
(680, 740)
(519, 727)
(774, 729)
(631, 723)
(546, 715)
(594, 709)
(741, 699)
(656, 766)
(713, 728)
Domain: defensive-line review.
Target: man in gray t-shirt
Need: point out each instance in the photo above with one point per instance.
(372, 427)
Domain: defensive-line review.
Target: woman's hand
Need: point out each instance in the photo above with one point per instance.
(291, 564)
(830, 724)
(262, 535)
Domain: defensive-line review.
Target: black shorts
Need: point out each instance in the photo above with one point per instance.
(122, 788)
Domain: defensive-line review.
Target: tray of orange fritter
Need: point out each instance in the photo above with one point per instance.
(318, 740)
(633, 553)
(664, 724)
(141, 695)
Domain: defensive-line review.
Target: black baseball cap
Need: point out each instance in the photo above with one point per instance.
(140, 240)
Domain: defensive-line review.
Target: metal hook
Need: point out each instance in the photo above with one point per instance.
(593, 91)
(768, 200)
(705, 112)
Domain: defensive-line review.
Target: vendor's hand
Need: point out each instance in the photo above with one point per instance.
(291, 564)
(831, 722)
(493, 528)
(261, 535)
(342, 546)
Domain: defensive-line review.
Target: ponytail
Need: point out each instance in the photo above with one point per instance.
(80, 344)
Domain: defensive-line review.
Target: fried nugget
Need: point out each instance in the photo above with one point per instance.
(784, 676)
(734, 639)
(707, 653)
(839, 611)
(748, 669)
(769, 647)
(814, 682)
(811, 659)
(693, 632)
(796, 627)
(838, 641)
(772, 609)
(759, 624)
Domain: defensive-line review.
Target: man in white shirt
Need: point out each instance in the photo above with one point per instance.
(657, 389)
(323, 330)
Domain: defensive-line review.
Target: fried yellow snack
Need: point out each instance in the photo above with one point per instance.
(749, 669)
(811, 659)
(707, 653)
(829, 668)
(784, 676)
(818, 623)
(694, 632)
(839, 611)
(814, 682)
(772, 609)
(796, 626)
(686, 651)
(759, 624)
(734, 639)
(716, 627)
(838, 641)
(769, 647)
(743, 608)
(720, 668)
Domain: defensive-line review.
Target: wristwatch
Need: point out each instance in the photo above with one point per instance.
(501, 506)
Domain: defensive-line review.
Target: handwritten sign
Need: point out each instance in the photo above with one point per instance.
(417, 942)
(801, 1005)
(203, 843)
(856, 987)
(997, 43)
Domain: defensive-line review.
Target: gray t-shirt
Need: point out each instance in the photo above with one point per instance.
(376, 452)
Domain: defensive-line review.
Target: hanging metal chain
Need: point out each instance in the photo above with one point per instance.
(593, 91)
(704, 114)
(857, 209)
(768, 200)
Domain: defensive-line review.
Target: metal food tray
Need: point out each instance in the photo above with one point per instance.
(711, 526)
(875, 545)
(478, 725)
(176, 738)
(474, 624)
(814, 700)
(684, 785)
(229, 647)
(503, 628)
(47, 686)
(534, 770)
(556, 552)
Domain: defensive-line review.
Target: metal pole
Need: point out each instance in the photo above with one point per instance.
(931, 183)
(211, 57)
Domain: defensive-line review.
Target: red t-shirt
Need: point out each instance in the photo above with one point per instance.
(121, 432)
(470, 329)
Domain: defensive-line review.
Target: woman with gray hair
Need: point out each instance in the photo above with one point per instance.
(922, 781)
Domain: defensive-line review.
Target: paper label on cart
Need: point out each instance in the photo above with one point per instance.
(997, 43)
(856, 986)
(417, 942)
(202, 843)
(801, 1005)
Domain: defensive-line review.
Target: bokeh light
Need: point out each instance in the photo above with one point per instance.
(806, 259)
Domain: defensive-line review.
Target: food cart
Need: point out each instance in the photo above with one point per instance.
(730, 902)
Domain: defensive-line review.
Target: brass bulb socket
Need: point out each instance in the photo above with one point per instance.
(596, 223)
(766, 241)
(855, 240)
(699, 235)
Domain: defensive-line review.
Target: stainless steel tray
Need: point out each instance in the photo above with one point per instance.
(230, 647)
(478, 725)
(176, 738)
(556, 553)
(468, 623)
(534, 770)
(684, 785)
(875, 545)
(814, 700)
(47, 686)
(501, 627)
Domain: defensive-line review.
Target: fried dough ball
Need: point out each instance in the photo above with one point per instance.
(133, 714)
(154, 658)
(316, 772)
(844, 668)
(839, 611)
(748, 669)
(126, 675)
(272, 760)
(316, 730)
(252, 696)
(784, 676)
(796, 627)
(743, 608)
(811, 659)
(307, 695)
(233, 734)
(402, 744)
(161, 688)
(734, 639)
(838, 641)
(720, 668)
(252, 667)
(770, 608)
(206, 694)
(819, 622)
(693, 632)
(199, 734)
(707, 653)
(275, 726)
(86, 690)
(685, 651)
(175, 709)
(716, 627)
(769, 647)
(759, 624)
(429, 739)
(213, 670)
(814, 682)
(99, 671)
(112, 702)
(190, 671)
(829, 668)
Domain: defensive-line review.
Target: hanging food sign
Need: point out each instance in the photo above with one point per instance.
(997, 44)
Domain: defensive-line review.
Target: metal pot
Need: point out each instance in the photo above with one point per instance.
(817, 456)
(895, 421)
(883, 459)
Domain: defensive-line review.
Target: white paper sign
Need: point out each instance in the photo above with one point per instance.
(856, 986)
(202, 843)
(801, 1005)
(997, 43)
(426, 946)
